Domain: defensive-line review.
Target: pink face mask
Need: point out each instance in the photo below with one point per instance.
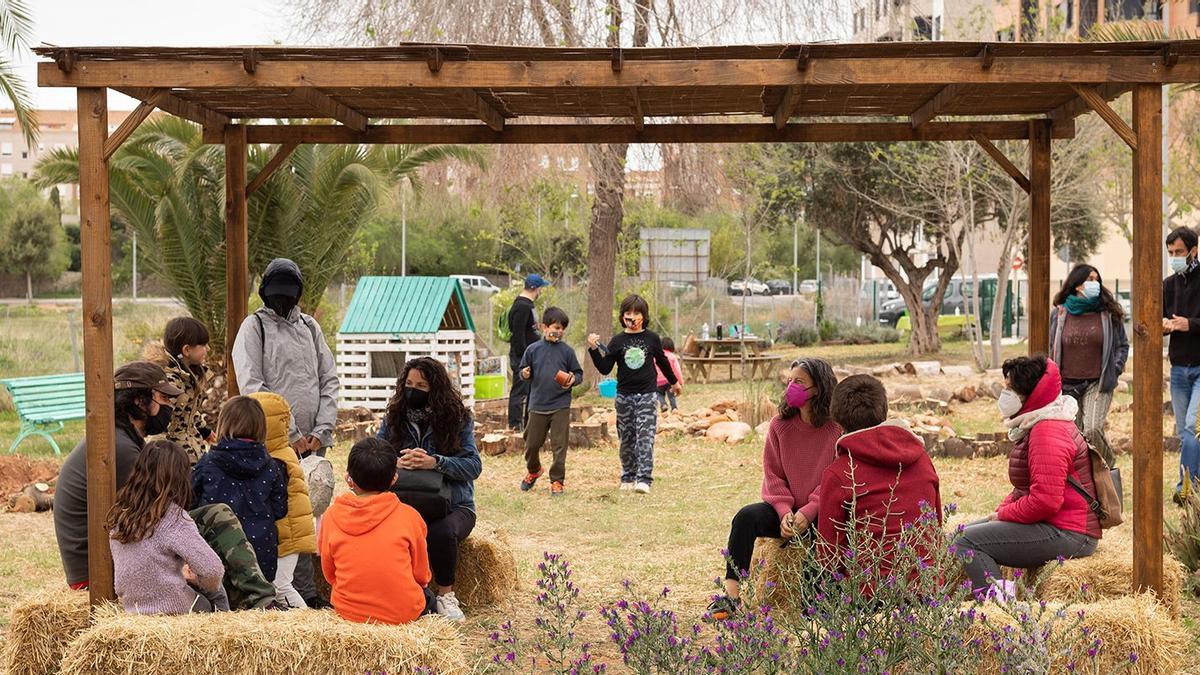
(796, 395)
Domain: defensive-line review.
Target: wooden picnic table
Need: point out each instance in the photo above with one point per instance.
(731, 352)
(742, 346)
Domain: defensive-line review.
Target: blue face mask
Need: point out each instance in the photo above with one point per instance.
(1178, 264)
(1091, 289)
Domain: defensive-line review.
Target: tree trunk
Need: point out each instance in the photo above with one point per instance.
(28, 287)
(608, 175)
(924, 338)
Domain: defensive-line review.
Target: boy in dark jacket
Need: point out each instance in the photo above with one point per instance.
(551, 368)
(881, 472)
(238, 472)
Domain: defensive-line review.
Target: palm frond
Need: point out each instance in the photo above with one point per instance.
(22, 101)
(16, 24)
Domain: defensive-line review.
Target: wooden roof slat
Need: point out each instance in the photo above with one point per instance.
(325, 105)
(180, 108)
(936, 105)
(483, 110)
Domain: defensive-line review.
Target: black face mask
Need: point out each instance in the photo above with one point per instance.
(158, 423)
(415, 398)
(281, 304)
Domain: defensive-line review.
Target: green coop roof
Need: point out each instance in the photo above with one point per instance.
(407, 305)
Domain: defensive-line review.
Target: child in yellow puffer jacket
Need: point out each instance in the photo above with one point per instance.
(297, 532)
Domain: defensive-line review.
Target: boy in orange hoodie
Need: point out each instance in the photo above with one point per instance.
(372, 546)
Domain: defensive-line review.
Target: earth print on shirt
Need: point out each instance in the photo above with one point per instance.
(635, 357)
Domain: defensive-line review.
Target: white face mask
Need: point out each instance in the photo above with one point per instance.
(1009, 403)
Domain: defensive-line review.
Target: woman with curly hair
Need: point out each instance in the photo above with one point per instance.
(431, 430)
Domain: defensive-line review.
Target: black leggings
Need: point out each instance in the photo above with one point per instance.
(442, 542)
(752, 522)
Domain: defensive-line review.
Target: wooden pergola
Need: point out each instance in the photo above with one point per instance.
(926, 91)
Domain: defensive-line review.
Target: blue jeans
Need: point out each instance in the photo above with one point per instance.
(1185, 397)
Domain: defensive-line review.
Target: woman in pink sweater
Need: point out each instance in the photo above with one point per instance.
(161, 564)
(801, 442)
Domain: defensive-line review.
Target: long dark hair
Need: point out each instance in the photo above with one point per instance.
(1075, 279)
(161, 476)
(127, 407)
(824, 380)
(447, 415)
(183, 331)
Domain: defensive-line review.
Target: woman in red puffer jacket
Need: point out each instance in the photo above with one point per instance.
(1043, 518)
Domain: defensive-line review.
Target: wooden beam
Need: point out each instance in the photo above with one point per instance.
(326, 106)
(180, 108)
(1147, 341)
(802, 58)
(132, 122)
(934, 106)
(533, 134)
(986, 57)
(281, 155)
(635, 104)
(96, 263)
(237, 271)
(65, 60)
(1077, 106)
(643, 73)
(434, 60)
(788, 106)
(483, 110)
(1039, 236)
(1003, 160)
(1095, 100)
(250, 60)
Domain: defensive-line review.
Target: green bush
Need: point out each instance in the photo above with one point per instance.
(829, 331)
(868, 334)
(801, 336)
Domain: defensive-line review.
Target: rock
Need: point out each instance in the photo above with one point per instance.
(720, 407)
(763, 428)
(1122, 387)
(672, 427)
(733, 416)
(730, 432)
(699, 426)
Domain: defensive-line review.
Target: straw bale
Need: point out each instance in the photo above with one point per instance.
(769, 563)
(487, 568)
(41, 627)
(258, 641)
(1108, 573)
(1135, 624)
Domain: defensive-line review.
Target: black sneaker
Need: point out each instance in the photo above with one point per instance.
(529, 479)
(722, 608)
(317, 602)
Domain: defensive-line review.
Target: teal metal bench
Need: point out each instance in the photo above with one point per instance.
(44, 403)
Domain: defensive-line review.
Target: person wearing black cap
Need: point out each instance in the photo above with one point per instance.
(523, 324)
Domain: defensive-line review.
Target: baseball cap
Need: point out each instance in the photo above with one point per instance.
(144, 375)
(535, 281)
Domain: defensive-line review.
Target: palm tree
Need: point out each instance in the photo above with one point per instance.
(169, 187)
(16, 32)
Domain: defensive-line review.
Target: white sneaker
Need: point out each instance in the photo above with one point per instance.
(641, 488)
(447, 606)
(626, 486)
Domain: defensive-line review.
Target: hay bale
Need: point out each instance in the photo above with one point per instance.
(41, 627)
(1130, 625)
(307, 641)
(770, 562)
(487, 568)
(1108, 573)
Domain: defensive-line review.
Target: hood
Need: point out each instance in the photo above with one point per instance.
(281, 271)
(156, 353)
(890, 444)
(239, 458)
(278, 414)
(357, 516)
(1047, 390)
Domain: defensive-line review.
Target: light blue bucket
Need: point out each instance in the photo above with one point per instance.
(608, 388)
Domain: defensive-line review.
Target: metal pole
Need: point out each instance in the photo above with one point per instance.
(134, 268)
(795, 256)
(816, 309)
(676, 331)
(403, 233)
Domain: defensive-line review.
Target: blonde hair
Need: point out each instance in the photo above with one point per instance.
(242, 417)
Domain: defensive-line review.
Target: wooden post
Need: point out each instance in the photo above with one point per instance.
(237, 272)
(1039, 236)
(96, 263)
(1147, 340)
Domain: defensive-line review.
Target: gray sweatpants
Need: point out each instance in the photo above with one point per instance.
(637, 422)
(997, 542)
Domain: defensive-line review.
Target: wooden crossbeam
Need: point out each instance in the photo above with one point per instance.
(635, 104)
(135, 118)
(533, 134)
(1003, 160)
(327, 106)
(788, 106)
(250, 60)
(188, 110)
(1077, 106)
(275, 162)
(1095, 100)
(935, 105)
(483, 110)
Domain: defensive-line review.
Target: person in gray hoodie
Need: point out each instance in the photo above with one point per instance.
(281, 349)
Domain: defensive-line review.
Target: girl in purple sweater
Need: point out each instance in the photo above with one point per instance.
(161, 564)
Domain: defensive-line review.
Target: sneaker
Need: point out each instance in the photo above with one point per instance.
(722, 607)
(556, 488)
(447, 606)
(529, 479)
(641, 488)
(626, 485)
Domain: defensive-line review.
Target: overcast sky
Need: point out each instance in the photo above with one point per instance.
(164, 23)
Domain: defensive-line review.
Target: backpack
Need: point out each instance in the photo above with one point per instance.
(1106, 503)
(503, 330)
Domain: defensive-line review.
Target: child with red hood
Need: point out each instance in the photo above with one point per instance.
(1042, 518)
(881, 472)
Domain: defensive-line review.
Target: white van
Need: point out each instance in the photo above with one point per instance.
(473, 282)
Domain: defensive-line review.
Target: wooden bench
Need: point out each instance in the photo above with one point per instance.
(44, 403)
(760, 365)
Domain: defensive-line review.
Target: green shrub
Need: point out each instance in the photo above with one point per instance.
(829, 331)
(801, 336)
(869, 334)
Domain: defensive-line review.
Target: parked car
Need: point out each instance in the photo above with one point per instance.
(780, 287)
(749, 286)
(474, 282)
(1126, 303)
(680, 287)
(809, 286)
(884, 288)
(957, 300)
